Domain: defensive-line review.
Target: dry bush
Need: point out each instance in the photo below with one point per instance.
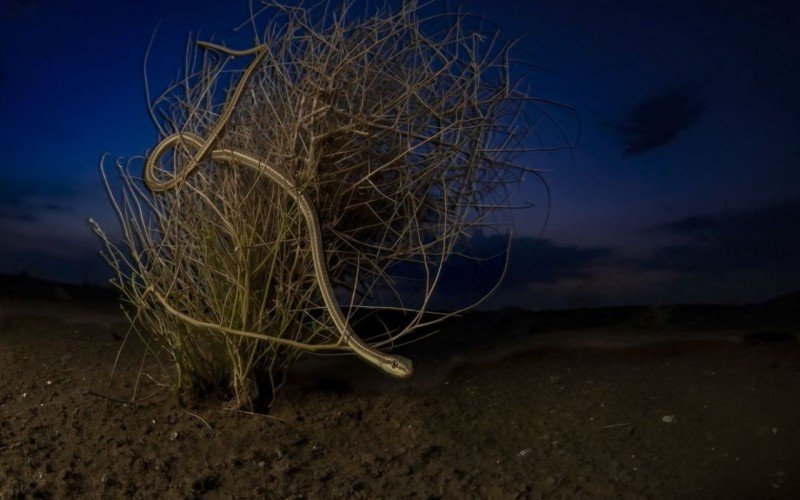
(403, 130)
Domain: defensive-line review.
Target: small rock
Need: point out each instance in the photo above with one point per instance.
(774, 430)
(173, 436)
(524, 452)
(669, 419)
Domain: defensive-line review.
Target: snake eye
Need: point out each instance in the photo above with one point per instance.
(394, 364)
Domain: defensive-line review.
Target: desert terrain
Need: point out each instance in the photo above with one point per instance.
(648, 402)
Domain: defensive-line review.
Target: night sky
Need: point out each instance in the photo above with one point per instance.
(683, 187)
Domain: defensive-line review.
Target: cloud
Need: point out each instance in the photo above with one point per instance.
(739, 256)
(659, 119)
(532, 262)
(24, 201)
(535, 260)
(767, 238)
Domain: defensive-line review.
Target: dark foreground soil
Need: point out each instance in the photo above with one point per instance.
(614, 413)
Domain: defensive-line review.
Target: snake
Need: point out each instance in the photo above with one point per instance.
(397, 366)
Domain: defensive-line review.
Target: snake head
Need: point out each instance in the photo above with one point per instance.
(400, 367)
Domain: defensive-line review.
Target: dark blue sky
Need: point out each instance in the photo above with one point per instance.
(684, 186)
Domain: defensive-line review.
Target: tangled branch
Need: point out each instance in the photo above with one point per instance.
(401, 134)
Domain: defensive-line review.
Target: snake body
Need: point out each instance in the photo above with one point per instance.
(397, 366)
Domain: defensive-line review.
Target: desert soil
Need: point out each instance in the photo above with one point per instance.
(515, 412)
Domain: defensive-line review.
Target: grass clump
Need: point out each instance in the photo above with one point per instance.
(404, 132)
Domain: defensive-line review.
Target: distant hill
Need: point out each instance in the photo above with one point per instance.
(779, 313)
(790, 301)
(25, 287)
(785, 307)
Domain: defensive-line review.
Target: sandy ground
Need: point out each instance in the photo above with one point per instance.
(515, 412)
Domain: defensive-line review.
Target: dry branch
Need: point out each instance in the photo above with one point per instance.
(402, 131)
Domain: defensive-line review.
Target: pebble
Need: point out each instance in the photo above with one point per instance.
(669, 419)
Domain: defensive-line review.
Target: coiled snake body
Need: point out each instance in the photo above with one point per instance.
(397, 366)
